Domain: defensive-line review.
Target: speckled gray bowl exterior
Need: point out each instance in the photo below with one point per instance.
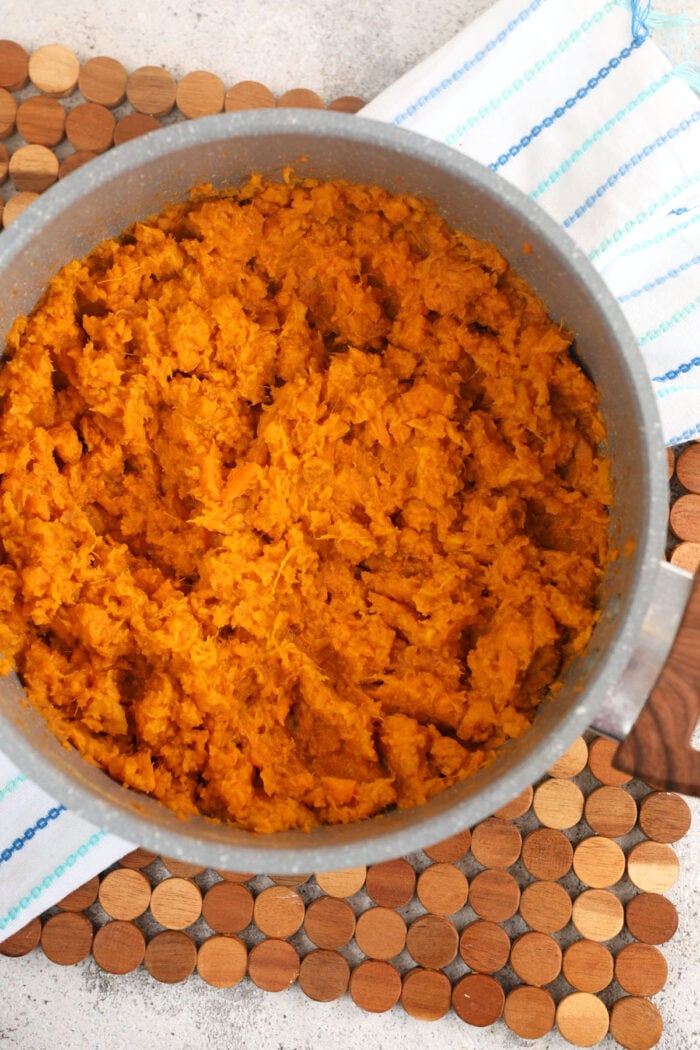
(139, 178)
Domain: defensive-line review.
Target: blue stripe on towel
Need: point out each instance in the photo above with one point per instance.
(646, 213)
(668, 276)
(42, 823)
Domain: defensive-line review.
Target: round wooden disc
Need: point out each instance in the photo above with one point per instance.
(391, 884)
(41, 120)
(426, 994)
(529, 1012)
(176, 903)
(278, 911)
(652, 866)
(71, 163)
(181, 868)
(496, 843)
(66, 937)
(25, 940)
(4, 163)
(170, 956)
(14, 65)
(375, 986)
(273, 965)
(138, 859)
(432, 940)
(324, 975)
(118, 947)
(635, 1023)
(227, 907)
(640, 969)
(478, 999)
(54, 70)
(686, 556)
(133, 125)
(688, 467)
(670, 462)
(610, 811)
(289, 880)
(235, 876)
(200, 94)
(83, 897)
(664, 816)
(494, 895)
(16, 205)
(8, 113)
(151, 90)
(588, 966)
(536, 958)
(342, 883)
(598, 915)
(300, 98)
(248, 94)
(347, 104)
(651, 918)
(601, 753)
(33, 168)
(380, 933)
(558, 803)
(545, 906)
(222, 961)
(599, 862)
(572, 761)
(329, 922)
(547, 854)
(518, 806)
(684, 518)
(582, 1018)
(125, 893)
(103, 80)
(449, 850)
(90, 126)
(484, 946)
(442, 889)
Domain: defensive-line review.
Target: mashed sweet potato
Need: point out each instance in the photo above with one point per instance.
(303, 507)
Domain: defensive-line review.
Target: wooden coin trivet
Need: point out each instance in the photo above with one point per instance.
(426, 994)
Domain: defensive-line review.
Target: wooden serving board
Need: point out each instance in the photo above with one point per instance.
(551, 913)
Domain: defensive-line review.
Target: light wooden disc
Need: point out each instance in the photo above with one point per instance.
(494, 895)
(449, 850)
(391, 883)
(133, 125)
(572, 761)
(442, 889)
(688, 467)
(227, 907)
(598, 915)
(582, 1019)
(329, 922)
(529, 1012)
(684, 518)
(484, 946)
(54, 70)
(273, 965)
(103, 80)
(182, 868)
(670, 462)
(151, 90)
(588, 966)
(601, 754)
(426, 994)
(496, 843)
(119, 947)
(222, 961)
(248, 94)
(23, 941)
(200, 94)
(33, 168)
(640, 969)
(8, 113)
(547, 854)
(478, 999)
(686, 556)
(176, 903)
(610, 811)
(432, 940)
(289, 880)
(14, 66)
(16, 205)
(664, 816)
(517, 807)
(83, 897)
(235, 876)
(90, 126)
(278, 911)
(558, 803)
(651, 918)
(125, 893)
(635, 1023)
(342, 883)
(599, 862)
(66, 937)
(137, 859)
(4, 163)
(74, 161)
(536, 958)
(170, 956)
(653, 866)
(375, 986)
(324, 975)
(380, 933)
(545, 906)
(41, 120)
(347, 104)
(300, 98)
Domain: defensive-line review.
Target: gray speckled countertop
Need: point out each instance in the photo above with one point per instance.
(335, 49)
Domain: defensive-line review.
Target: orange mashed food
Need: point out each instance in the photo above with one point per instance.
(303, 504)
